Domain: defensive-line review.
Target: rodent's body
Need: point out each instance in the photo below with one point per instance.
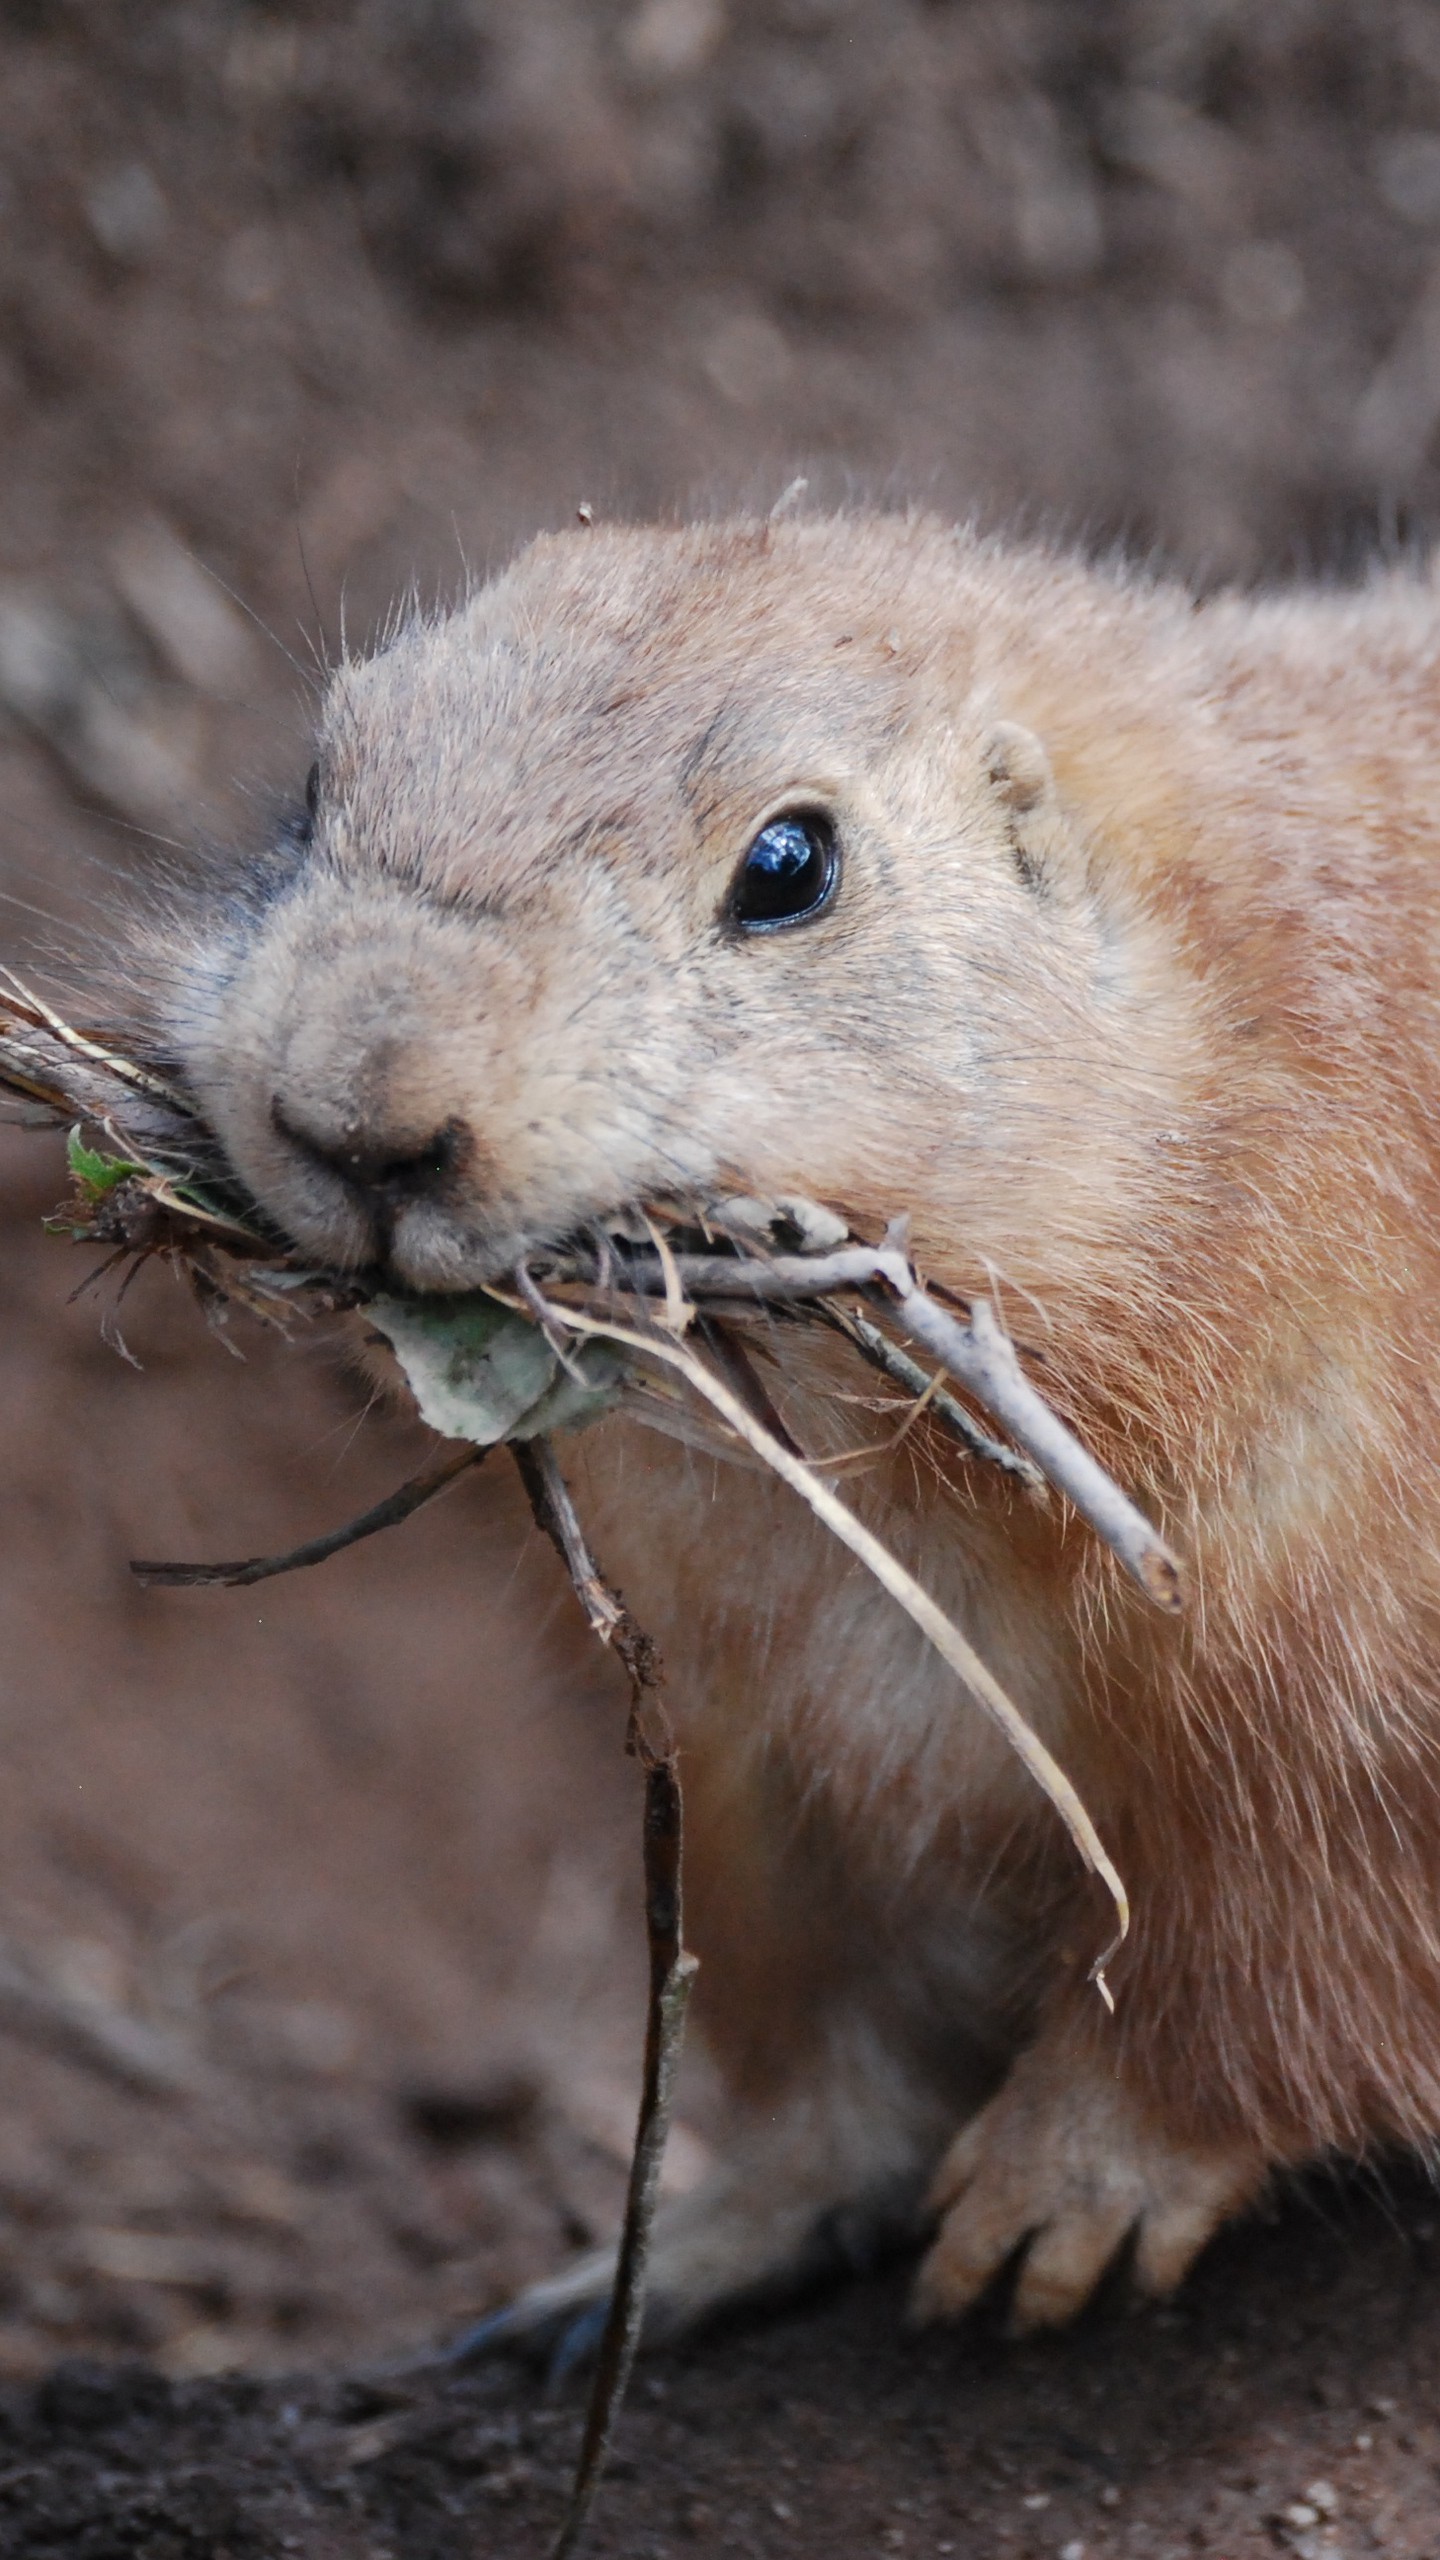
(1128, 997)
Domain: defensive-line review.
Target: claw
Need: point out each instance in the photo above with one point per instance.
(577, 2345)
(555, 2326)
(488, 2337)
(1062, 2173)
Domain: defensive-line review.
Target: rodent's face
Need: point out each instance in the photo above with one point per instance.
(665, 868)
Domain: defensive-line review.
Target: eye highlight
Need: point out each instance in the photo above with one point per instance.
(791, 871)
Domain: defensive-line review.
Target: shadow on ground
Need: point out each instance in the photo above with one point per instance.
(1290, 2400)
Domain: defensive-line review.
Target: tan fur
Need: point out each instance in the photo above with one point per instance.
(1129, 998)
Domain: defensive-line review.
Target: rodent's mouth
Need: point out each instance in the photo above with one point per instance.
(424, 1265)
(597, 1248)
(415, 1252)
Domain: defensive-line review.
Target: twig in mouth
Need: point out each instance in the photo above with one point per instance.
(556, 1516)
(397, 1506)
(982, 1356)
(139, 1079)
(540, 1312)
(978, 1353)
(926, 1614)
(678, 1311)
(897, 1365)
(672, 1968)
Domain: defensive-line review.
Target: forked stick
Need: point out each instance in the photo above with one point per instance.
(897, 1365)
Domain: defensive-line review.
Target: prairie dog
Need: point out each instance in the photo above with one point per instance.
(1100, 931)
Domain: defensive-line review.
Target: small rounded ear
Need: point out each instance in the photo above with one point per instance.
(1018, 765)
(1046, 852)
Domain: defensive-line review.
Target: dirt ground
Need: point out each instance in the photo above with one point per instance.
(319, 1978)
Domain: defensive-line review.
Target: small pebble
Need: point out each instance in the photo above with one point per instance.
(1110, 2496)
(1299, 2514)
(1379, 2408)
(779, 2509)
(1038, 2499)
(1324, 2497)
(1363, 2443)
(1072, 2551)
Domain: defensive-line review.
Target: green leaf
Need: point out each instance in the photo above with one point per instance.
(478, 1371)
(97, 1174)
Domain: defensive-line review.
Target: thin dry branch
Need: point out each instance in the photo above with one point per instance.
(397, 1506)
(556, 1517)
(978, 1353)
(897, 1365)
(672, 1975)
(96, 1055)
(672, 1968)
(44, 1060)
(939, 1630)
(982, 1356)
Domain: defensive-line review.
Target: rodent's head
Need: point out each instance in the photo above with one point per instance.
(671, 864)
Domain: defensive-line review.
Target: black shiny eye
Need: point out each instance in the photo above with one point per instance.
(789, 874)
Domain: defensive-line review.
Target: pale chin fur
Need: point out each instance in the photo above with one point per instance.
(427, 1257)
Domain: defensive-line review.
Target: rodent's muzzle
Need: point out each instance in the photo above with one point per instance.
(403, 1087)
(396, 1189)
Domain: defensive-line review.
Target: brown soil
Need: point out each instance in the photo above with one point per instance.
(319, 1980)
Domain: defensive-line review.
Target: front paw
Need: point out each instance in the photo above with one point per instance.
(1065, 2162)
(556, 2327)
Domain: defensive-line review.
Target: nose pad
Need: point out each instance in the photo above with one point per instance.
(383, 1170)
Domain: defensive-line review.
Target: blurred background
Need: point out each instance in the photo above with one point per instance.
(318, 1979)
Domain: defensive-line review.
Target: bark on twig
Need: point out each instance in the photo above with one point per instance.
(556, 1516)
(672, 1974)
(982, 1357)
(396, 1506)
(74, 1077)
(939, 1630)
(672, 1968)
(978, 1353)
(897, 1365)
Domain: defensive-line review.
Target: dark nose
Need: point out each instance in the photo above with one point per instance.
(384, 1170)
